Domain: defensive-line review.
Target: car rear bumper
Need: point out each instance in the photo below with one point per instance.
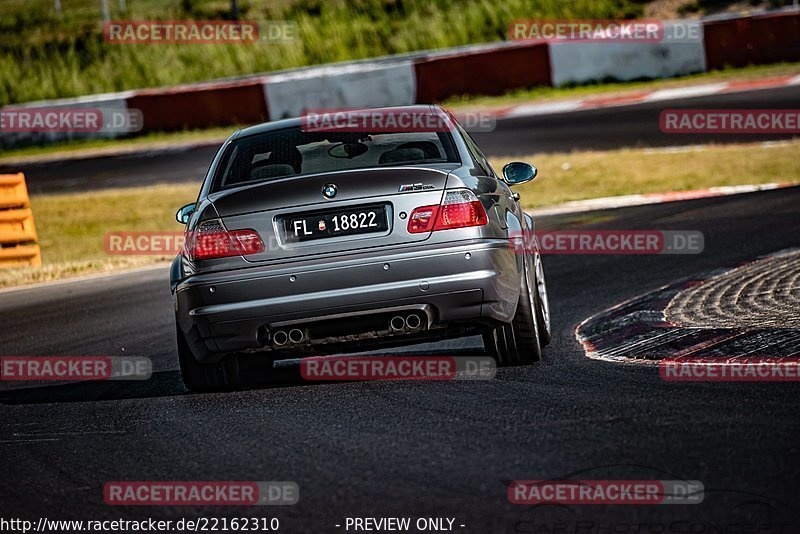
(473, 282)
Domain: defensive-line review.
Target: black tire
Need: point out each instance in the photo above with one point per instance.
(526, 327)
(199, 377)
(542, 305)
(501, 344)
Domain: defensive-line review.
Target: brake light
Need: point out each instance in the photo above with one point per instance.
(459, 209)
(422, 219)
(211, 240)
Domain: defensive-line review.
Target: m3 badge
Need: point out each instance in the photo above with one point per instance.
(415, 187)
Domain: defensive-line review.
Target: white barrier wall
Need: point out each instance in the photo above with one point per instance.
(347, 86)
(581, 62)
(117, 121)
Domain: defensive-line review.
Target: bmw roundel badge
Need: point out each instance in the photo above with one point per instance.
(330, 190)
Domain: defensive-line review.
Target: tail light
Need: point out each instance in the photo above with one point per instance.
(211, 240)
(459, 209)
(422, 219)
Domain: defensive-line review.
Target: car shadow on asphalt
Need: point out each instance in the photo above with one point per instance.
(160, 384)
(169, 383)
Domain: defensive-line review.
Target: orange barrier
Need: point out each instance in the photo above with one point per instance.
(18, 241)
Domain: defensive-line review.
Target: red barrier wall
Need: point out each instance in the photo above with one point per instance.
(490, 71)
(219, 104)
(752, 40)
(482, 72)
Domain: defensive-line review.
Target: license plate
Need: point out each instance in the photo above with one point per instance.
(333, 223)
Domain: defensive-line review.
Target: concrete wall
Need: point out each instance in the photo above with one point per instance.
(348, 86)
(581, 62)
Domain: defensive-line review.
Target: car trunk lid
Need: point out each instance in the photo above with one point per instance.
(329, 213)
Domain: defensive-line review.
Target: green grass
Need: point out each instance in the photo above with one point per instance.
(89, 147)
(583, 175)
(551, 93)
(71, 226)
(82, 148)
(45, 56)
(71, 229)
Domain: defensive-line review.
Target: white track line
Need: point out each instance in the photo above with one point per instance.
(679, 93)
(528, 110)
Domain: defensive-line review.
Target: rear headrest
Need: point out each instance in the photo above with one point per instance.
(399, 155)
(429, 148)
(271, 171)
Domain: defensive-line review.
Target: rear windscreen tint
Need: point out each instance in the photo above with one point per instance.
(292, 151)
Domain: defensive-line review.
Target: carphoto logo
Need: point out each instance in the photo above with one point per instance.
(74, 368)
(199, 32)
(630, 492)
(610, 242)
(398, 368)
(739, 369)
(730, 121)
(69, 120)
(195, 493)
(569, 525)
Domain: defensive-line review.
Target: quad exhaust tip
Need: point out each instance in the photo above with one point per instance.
(413, 321)
(280, 338)
(397, 323)
(296, 335)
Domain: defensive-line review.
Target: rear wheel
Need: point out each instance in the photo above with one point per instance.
(198, 376)
(518, 341)
(501, 344)
(542, 305)
(526, 327)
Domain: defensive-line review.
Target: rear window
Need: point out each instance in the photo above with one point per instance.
(294, 152)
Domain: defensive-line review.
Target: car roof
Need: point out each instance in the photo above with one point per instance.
(296, 121)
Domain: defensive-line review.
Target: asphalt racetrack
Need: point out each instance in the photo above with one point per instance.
(417, 449)
(600, 129)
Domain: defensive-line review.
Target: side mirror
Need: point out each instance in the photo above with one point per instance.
(184, 214)
(518, 173)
